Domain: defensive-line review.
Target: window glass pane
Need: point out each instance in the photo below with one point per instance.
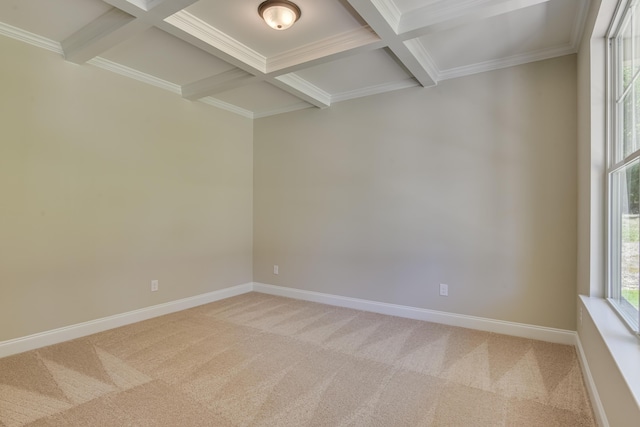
(625, 240)
(625, 53)
(630, 120)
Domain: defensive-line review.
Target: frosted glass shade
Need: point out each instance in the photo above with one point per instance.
(279, 15)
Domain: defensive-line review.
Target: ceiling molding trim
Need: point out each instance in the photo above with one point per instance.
(390, 12)
(349, 40)
(322, 98)
(201, 30)
(100, 35)
(114, 67)
(422, 55)
(226, 106)
(510, 61)
(294, 107)
(215, 84)
(579, 23)
(30, 38)
(374, 90)
(145, 5)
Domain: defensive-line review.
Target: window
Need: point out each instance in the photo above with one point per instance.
(623, 171)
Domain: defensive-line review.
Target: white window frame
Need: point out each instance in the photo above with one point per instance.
(614, 144)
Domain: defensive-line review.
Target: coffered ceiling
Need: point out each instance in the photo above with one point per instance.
(220, 52)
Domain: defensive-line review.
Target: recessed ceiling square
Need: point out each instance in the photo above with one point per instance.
(368, 69)
(53, 19)
(258, 97)
(528, 31)
(240, 21)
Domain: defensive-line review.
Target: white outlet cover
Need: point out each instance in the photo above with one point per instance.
(444, 290)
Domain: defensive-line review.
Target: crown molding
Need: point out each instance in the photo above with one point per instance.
(145, 5)
(579, 23)
(374, 90)
(510, 61)
(348, 40)
(30, 38)
(289, 108)
(209, 100)
(322, 98)
(114, 67)
(422, 55)
(202, 31)
(390, 12)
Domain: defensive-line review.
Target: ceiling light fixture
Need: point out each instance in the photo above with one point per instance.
(279, 14)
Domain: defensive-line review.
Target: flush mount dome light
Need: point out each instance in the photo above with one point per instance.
(279, 14)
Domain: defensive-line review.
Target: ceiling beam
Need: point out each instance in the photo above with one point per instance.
(304, 90)
(217, 83)
(124, 21)
(412, 24)
(370, 13)
(108, 30)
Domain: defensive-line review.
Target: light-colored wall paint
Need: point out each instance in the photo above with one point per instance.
(471, 183)
(620, 407)
(618, 402)
(107, 183)
(591, 151)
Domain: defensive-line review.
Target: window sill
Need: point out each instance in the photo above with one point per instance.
(623, 345)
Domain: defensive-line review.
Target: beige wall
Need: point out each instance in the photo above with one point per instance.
(619, 404)
(471, 183)
(591, 153)
(107, 183)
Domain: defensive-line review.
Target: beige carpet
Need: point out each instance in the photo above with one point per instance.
(259, 360)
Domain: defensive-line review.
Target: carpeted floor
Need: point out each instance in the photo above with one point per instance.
(260, 360)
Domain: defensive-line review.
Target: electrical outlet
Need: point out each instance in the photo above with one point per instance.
(444, 290)
(154, 285)
(275, 269)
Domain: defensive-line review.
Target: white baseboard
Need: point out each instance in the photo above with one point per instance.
(560, 336)
(596, 403)
(67, 333)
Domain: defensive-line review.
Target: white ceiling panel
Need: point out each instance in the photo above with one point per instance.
(240, 20)
(53, 19)
(220, 52)
(405, 6)
(258, 97)
(355, 72)
(544, 26)
(166, 57)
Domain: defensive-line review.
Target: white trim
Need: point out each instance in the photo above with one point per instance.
(114, 67)
(390, 12)
(209, 100)
(560, 336)
(30, 38)
(286, 109)
(201, 30)
(422, 55)
(374, 90)
(78, 330)
(322, 98)
(507, 62)
(623, 345)
(579, 23)
(322, 49)
(596, 403)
